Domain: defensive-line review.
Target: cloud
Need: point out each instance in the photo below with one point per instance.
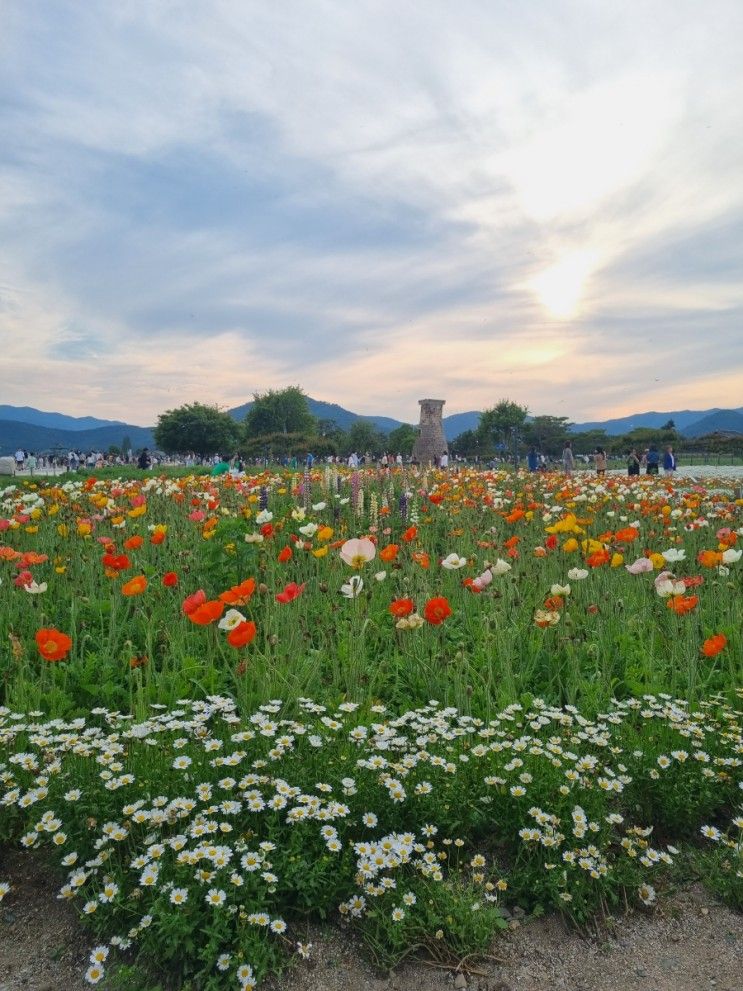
(373, 200)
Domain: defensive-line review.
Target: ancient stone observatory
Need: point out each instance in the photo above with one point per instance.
(431, 443)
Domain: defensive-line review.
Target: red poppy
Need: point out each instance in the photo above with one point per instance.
(470, 584)
(285, 554)
(242, 634)
(290, 593)
(158, 537)
(693, 581)
(136, 586)
(551, 542)
(117, 562)
(193, 602)
(207, 612)
(436, 610)
(170, 579)
(713, 645)
(53, 645)
(267, 530)
(401, 607)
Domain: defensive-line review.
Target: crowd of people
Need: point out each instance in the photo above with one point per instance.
(651, 460)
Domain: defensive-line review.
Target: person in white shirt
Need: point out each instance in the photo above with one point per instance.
(20, 457)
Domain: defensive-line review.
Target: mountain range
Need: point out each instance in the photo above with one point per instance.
(37, 430)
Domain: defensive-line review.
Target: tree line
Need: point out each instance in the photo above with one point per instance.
(279, 424)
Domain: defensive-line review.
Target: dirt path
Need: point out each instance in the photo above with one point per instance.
(694, 944)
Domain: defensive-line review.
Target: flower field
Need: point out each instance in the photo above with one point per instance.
(401, 699)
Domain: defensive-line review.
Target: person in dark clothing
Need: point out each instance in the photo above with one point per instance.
(633, 462)
(532, 459)
(144, 461)
(653, 460)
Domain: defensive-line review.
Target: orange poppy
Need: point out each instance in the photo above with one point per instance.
(389, 553)
(207, 612)
(713, 645)
(285, 554)
(401, 607)
(53, 645)
(436, 610)
(135, 586)
(598, 558)
(240, 594)
(410, 534)
(514, 516)
(139, 662)
(242, 634)
(134, 543)
(682, 604)
(511, 542)
(709, 559)
(554, 602)
(627, 535)
(421, 558)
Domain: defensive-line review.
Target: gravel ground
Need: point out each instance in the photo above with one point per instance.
(690, 944)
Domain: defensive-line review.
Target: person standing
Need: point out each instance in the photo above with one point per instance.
(568, 458)
(652, 460)
(633, 462)
(532, 459)
(20, 459)
(669, 461)
(599, 458)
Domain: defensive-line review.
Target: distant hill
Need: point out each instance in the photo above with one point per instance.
(682, 420)
(726, 421)
(343, 418)
(57, 421)
(29, 436)
(36, 430)
(457, 423)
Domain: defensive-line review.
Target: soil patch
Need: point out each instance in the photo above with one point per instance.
(691, 944)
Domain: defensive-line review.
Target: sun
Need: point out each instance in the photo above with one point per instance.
(560, 287)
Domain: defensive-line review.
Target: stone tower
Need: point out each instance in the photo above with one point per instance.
(431, 443)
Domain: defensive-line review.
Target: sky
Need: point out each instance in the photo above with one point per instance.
(377, 201)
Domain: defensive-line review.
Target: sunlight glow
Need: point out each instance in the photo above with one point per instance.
(560, 288)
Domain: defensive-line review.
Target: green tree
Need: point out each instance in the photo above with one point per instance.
(547, 433)
(363, 437)
(401, 439)
(466, 445)
(496, 424)
(196, 427)
(586, 441)
(282, 411)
